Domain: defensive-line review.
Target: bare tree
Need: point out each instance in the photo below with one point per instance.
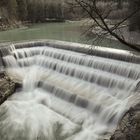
(100, 20)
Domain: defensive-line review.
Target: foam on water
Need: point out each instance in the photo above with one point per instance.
(66, 95)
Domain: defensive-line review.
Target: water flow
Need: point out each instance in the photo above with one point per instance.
(66, 95)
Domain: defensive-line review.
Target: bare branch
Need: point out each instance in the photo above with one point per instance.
(90, 6)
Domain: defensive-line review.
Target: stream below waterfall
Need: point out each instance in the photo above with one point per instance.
(66, 95)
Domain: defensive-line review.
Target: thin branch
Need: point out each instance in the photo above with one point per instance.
(102, 23)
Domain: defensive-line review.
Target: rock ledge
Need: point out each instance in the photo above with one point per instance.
(7, 87)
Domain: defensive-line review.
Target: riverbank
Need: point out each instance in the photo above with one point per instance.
(131, 37)
(10, 25)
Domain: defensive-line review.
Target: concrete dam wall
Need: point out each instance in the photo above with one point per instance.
(69, 91)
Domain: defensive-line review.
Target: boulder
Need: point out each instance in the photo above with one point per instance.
(129, 126)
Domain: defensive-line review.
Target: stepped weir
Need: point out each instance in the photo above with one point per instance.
(69, 91)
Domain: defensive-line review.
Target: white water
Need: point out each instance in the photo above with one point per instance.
(66, 95)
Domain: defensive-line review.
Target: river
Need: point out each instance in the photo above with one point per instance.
(66, 31)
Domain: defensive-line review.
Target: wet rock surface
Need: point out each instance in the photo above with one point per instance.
(129, 127)
(7, 87)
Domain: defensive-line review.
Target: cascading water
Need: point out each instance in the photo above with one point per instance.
(66, 95)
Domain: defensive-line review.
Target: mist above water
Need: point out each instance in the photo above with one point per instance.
(66, 95)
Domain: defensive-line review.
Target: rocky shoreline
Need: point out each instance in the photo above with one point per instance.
(11, 25)
(129, 126)
(7, 87)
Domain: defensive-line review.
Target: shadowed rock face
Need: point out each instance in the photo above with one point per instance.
(7, 87)
(129, 127)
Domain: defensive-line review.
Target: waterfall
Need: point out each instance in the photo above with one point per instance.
(66, 95)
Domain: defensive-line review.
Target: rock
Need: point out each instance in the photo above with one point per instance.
(129, 127)
(7, 87)
(2, 75)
